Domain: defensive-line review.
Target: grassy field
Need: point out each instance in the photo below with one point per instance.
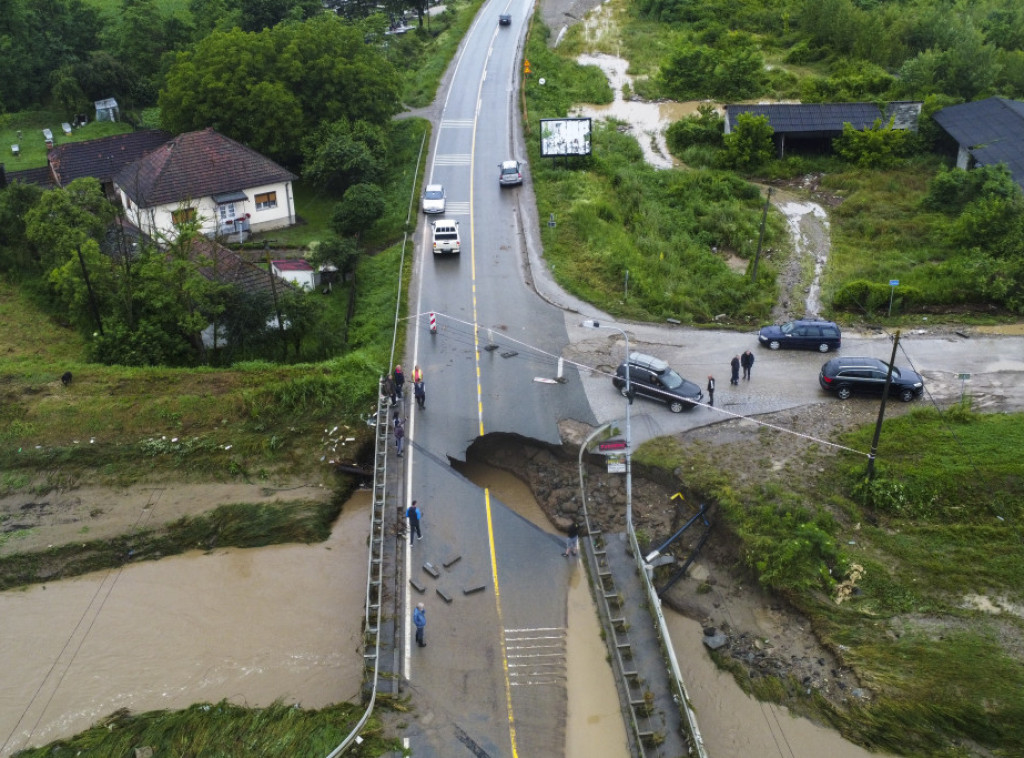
(226, 730)
(934, 625)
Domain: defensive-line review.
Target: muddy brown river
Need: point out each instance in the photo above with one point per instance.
(282, 622)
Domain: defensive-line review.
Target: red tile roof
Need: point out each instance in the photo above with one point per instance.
(194, 165)
(102, 158)
(228, 267)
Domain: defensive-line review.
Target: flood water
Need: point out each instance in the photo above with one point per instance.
(732, 724)
(594, 726)
(251, 626)
(648, 120)
(809, 229)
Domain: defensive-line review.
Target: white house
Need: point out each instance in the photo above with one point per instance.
(298, 272)
(229, 188)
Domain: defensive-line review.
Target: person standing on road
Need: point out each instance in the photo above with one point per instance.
(419, 390)
(399, 380)
(572, 544)
(735, 365)
(419, 618)
(414, 514)
(399, 436)
(747, 361)
(711, 390)
(389, 388)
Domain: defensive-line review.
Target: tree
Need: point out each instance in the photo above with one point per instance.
(66, 91)
(340, 154)
(16, 252)
(750, 143)
(65, 219)
(270, 89)
(361, 206)
(877, 147)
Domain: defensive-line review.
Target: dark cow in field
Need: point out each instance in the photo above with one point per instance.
(66, 379)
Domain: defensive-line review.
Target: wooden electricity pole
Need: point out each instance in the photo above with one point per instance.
(881, 410)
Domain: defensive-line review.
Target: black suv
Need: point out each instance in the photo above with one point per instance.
(804, 335)
(844, 376)
(652, 378)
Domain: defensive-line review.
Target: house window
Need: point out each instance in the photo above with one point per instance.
(226, 213)
(266, 200)
(183, 216)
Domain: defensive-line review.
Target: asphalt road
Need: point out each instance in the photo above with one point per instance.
(491, 681)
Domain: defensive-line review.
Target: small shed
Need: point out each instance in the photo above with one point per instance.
(298, 271)
(106, 110)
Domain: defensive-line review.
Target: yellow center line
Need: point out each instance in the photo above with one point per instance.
(501, 626)
(480, 417)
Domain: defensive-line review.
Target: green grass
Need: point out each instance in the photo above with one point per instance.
(941, 522)
(33, 147)
(225, 730)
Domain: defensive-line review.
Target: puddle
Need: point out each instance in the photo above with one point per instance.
(646, 121)
(251, 626)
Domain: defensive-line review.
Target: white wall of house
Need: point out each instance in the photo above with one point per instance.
(266, 207)
(308, 280)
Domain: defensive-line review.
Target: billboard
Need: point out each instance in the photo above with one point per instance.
(564, 136)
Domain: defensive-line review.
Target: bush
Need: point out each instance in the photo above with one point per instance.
(861, 296)
(705, 127)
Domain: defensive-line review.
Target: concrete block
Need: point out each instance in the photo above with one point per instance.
(475, 588)
(444, 595)
(451, 560)
(431, 569)
(417, 586)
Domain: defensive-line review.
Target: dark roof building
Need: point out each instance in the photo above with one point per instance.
(988, 131)
(102, 158)
(197, 164)
(824, 121)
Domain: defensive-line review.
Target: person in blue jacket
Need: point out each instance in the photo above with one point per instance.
(419, 618)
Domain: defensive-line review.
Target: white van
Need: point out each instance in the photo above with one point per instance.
(446, 236)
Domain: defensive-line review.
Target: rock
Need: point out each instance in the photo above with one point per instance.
(714, 642)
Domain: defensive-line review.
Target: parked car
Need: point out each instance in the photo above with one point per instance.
(511, 173)
(652, 378)
(803, 335)
(848, 375)
(505, 19)
(433, 199)
(446, 236)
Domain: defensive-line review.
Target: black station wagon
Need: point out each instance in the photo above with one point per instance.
(848, 375)
(802, 335)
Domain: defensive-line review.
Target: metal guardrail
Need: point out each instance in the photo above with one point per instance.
(374, 571)
(617, 638)
(375, 554)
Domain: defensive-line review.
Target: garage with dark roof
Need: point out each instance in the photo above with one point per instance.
(989, 132)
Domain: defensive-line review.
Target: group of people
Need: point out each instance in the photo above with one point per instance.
(393, 386)
(744, 362)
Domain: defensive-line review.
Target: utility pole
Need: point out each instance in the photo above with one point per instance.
(92, 297)
(760, 237)
(881, 410)
(273, 290)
